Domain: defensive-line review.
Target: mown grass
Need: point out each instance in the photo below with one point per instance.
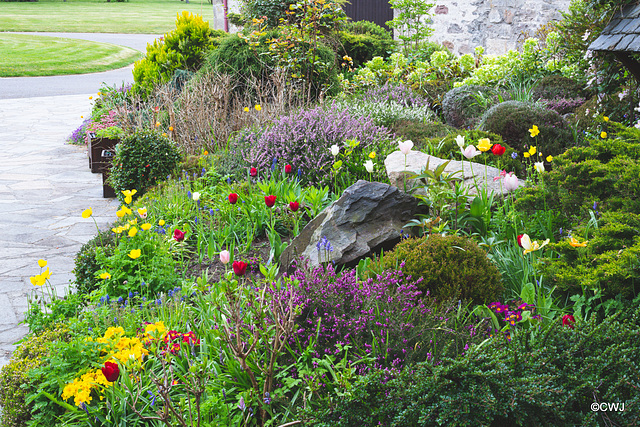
(92, 16)
(27, 55)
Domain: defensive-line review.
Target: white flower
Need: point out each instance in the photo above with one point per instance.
(460, 141)
(586, 36)
(622, 94)
(405, 146)
(196, 196)
(368, 165)
(334, 150)
(539, 166)
(637, 125)
(531, 246)
(470, 152)
(510, 181)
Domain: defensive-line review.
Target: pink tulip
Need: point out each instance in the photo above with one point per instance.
(225, 257)
(470, 152)
(510, 182)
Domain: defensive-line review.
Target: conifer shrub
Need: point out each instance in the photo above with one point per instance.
(513, 119)
(451, 267)
(463, 106)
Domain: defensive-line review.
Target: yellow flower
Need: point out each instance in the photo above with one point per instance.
(170, 128)
(603, 135)
(142, 212)
(258, 107)
(534, 131)
(87, 213)
(133, 221)
(484, 144)
(372, 155)
(42, 263)
(164, 134)
(549, 158)
(128, 195)
(573, 242)
(46, 274)
(37, 280)
(105, 276)
(117, 230)
(126, 210)
(526, 155)
(133, 231)
(146, 226)
(91, 97)
(530, 246)
(120, 213)
(157, 124)
(246, 109)
(206, 153)
(135, 253)
(532, 150)
(161, 222)
(605, 118)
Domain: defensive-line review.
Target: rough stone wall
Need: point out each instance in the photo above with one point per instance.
(496, 25)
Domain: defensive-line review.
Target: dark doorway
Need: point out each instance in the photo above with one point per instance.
(378, 11)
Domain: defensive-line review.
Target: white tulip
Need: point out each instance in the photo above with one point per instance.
(539, 166)
(405, 146)
(368, 165)
(510, 182)
(196, 196)
(460, 141)
(334, 150)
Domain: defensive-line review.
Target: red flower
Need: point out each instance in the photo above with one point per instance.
(498, 150)
(519, 238)
(253, 171)
(239, 267)
(270, 201)
(190, 338)
(111, 371)
(294, 206)
(288, 169)
(178, 235)
(568, 320)
(233, 198)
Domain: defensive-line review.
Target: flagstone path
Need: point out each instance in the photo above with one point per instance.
(45, 185)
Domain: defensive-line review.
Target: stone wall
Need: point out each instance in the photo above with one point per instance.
(497, 25)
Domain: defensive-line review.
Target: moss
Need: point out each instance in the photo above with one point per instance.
(451, 267)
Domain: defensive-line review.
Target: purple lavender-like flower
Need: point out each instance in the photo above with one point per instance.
(241, 404)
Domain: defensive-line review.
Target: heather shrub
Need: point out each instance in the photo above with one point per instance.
(513, 119)
(463, 106)
(15, 383)
(451, 267)
(385, 113)
(385, 317)
(563, 105)
(142, 159)
(362, 40)
(399, 93)
(545, 378)
(303, 140)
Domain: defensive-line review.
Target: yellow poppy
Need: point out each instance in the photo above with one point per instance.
(532, 150)
(87, 213)
(146, 226)
(605, 118)
(246, 109)
(135, 253)
(549, 158)
(603, 135)
(42, 263)
(534, 131)
(573, 242)
(161, 222)
(105, 276)
(133, 231)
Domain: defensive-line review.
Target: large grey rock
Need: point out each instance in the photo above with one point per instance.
(475, 175)
(366, 218)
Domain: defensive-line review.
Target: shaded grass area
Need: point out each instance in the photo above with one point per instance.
(28, 55)
(132, 17)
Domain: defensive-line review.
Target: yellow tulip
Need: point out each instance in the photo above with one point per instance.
(526, 155)
(135, 253)
(87, 213)
(42, 263)
(573, 242)
(128, 195)
(161, 222)
(534, 131)
(146, 226)
(133, 231)
(605, 118)
(484, 144)
(120, 213)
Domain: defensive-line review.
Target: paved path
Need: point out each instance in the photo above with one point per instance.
(44, 184)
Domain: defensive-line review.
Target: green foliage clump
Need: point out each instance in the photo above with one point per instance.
(419, 131)
(15, 383)
(513, 119)
(362, 40)
(86, 264)
(142, 159)
(273, 10)
(545, 378)
(451, 267)
(183, 48)
(463, 106)
(556, 86)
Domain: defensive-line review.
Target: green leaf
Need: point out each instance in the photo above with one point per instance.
(528, 293)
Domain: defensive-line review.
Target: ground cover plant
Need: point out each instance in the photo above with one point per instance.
(491, 310)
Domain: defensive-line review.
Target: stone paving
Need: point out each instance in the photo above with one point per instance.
(45, 185)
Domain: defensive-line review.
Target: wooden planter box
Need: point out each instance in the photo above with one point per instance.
(107, 191)
(95, 148)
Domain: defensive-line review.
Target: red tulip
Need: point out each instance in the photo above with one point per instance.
(253, 171)
(288, 169)
(294, 206)
(568, 320)
(239, 267)
(498, 150)
(178, 235)
(233, 198)
(111, 371)
(270, 201)
(519, 238)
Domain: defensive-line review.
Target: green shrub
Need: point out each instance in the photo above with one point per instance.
(463, 106)
(419, 131)
(15, 384)
(86, 264)
(546, 378)
(274, 10)
(451, 267)
(362, 40)
(142, 159)
(513, 119)
(556, 86)
(183, 48)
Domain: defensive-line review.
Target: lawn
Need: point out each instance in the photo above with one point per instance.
(27, 55)
(136, 16)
